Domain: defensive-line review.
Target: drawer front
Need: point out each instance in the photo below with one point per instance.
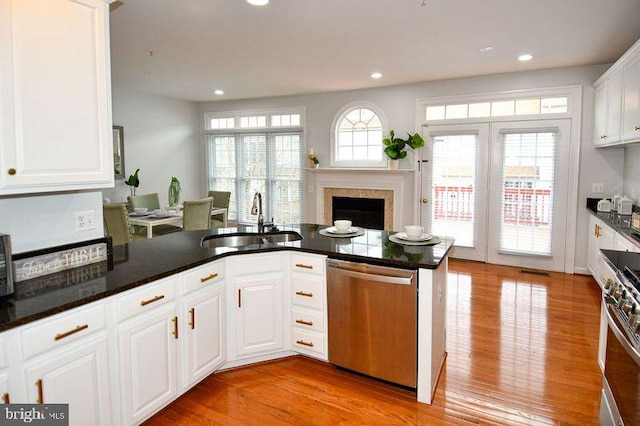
(307, 291)
(307, 321)
(312, 343)
(202, 277)
(145, 299)
(63, 328)
(256, 264)
(307, 263)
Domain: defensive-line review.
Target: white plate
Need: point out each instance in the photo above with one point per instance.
(140, 214)
(159, 216)
(404, 236)
(333, 230)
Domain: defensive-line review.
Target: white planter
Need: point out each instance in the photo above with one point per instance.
(393, 164)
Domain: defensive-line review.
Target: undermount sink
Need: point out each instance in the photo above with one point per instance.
(240, 239)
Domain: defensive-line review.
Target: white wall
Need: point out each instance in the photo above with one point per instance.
(399, 103)
(161, 138)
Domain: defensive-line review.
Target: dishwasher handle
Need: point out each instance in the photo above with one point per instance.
(387, 279)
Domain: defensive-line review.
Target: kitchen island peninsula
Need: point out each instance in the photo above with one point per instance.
(137, 331)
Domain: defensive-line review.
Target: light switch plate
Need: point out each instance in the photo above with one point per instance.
(597, 188)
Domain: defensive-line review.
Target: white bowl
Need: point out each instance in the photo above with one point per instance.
(161, 212)
(413, 231)
(342, 225)
(140, 210)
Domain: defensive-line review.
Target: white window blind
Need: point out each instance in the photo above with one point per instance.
(268, 162)
(528, 176)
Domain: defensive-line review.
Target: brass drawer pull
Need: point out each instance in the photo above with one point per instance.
(302, 293)
(303, 322)
(239, 298)
(12, 171)
(302, 265)
(155, 299)
(210, 277)
(192, 311)
(637, 128)
(603, 136)
(5, 398)
(175, 327)
(40, 392)
(303, 343)
(70, 332)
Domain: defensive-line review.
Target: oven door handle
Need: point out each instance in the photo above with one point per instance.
(620, 335)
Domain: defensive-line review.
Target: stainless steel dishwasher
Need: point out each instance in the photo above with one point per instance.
(373, 320)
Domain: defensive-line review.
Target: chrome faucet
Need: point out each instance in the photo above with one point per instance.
(257, 209)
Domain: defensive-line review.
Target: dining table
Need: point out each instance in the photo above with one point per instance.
(173, 218)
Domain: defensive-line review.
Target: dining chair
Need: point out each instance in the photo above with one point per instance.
(152, 202)
(220, 199)
(197, 214)
(117, 226)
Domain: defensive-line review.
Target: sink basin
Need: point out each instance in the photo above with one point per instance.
(241, 239)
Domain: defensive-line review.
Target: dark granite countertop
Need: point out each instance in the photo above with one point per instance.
(619, 223)
(145, 261)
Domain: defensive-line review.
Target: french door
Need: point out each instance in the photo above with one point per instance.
(499, 189)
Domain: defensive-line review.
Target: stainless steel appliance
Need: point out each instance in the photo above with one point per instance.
(6, 269)
(373, 320)
(620, 403)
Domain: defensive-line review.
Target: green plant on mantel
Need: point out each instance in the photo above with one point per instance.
(133, 182)
(395, 148)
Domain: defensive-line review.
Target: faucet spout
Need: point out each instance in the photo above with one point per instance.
(257, 209)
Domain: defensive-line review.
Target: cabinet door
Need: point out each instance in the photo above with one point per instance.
(614, 108)
(631, 105)
(593, 252)
(77, 376)
(204, 344)
(259, 320)
(55, 108)
(600, 125)
(147, 355)
(622, 244)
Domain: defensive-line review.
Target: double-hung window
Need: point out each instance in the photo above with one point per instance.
(249, 152)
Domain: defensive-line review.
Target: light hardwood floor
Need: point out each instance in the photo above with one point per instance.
(522, 349)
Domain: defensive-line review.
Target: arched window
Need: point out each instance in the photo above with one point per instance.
(357, 134)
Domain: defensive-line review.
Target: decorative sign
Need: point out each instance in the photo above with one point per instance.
(50, 263)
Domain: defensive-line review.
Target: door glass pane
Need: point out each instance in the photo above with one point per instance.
(528, 169)
(454, 187)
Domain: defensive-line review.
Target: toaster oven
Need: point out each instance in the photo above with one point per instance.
(6, 268)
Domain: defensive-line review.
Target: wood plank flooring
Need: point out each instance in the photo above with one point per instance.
(522, 350)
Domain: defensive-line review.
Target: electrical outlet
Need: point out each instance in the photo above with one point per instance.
(597, 188)
(310, 188)
(85, 220)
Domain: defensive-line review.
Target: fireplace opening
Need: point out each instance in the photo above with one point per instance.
(362, 212)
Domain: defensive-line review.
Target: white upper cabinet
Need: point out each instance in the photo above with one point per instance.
(55, 96)
(617, 109)
(631, 108)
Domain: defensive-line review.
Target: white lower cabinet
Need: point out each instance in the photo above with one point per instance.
(203, 347)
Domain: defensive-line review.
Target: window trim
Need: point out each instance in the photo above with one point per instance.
(237, 115)
(334, 137)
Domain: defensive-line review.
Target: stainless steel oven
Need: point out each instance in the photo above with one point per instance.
(620, 403)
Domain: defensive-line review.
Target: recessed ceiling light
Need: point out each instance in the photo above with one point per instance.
(486, 49)
(524, 58)
(219, 92)
(376, 75)
(258, 2)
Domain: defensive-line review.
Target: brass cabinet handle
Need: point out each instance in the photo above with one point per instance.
(603, 136)
(597, 231)
(637, 128)
(303, 343)
(424, 200)
(155, 299)
(302, 293)
(302, 265)
(175, 327)
(70, 332)
(40, 392)
(192, 311)
(239, 298)
(5, 398)
(303, 322)
(12, 171)
(207, 278)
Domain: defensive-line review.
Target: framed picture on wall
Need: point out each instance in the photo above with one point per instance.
(118, 152)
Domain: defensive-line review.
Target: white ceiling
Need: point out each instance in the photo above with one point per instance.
(187, 48)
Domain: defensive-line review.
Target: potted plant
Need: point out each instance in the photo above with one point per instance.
(395, 148)
(174, 192)
(133, 182)
(314, 161)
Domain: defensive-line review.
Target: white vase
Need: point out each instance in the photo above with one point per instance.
(393, 164)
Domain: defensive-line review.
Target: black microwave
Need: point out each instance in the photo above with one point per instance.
(6, 269)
